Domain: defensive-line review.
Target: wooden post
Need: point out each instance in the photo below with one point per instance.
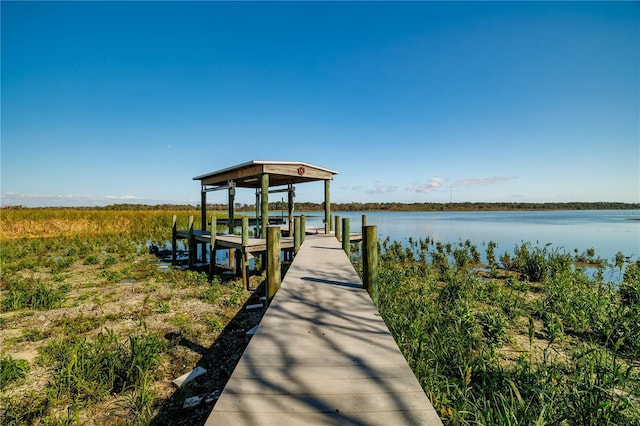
(303, 228)
(291, 206)
(245, 261)
(258, 227)
(330, 223)
(346, 236)
(338, 228)
(212, 244)
(264, 205)
(245, 231)
(191, 246)
(174, 231)
(296, 234)
(273, 260)
(370, 261)
(364, 223)
(232, 198)
(327, 205)
(203, 210)
(203, 223)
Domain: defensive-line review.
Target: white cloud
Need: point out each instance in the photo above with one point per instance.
(121, 197)
(484, 180)
(377, 188)
(381, 189)
(68, 200)
(433, 184)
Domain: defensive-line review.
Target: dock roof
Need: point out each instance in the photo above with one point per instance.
(247, 175)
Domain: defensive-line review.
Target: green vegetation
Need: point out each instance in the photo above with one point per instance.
(356, 206)
(29, 293)
(90, 320)
(12, 370)
(531, 339)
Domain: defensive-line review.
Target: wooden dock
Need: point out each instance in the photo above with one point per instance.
(322, 355)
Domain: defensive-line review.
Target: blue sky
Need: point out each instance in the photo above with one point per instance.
(411, 102)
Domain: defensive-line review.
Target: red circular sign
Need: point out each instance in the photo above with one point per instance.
(301, 170)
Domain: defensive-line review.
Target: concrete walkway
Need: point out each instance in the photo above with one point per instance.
(322, 355)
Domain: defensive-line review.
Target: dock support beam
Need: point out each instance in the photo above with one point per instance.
(191, 244)
(212, 244)
(264, 205)
(327, 206)
(174, 239)
(232, 198)
(244, 260)
(338, 228)
(303, 228)
(290, 204)
(370, 261)
(346, 236)
(273, 260)
(203, 210)
(296, 235)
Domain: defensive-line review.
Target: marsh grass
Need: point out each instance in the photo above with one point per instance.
(82, 297)
(543, 344)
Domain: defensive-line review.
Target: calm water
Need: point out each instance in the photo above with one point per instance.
(608, 231)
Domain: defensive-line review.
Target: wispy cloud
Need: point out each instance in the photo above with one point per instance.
(432, 185)
(377, 188)
(484, 180)
(68, 200)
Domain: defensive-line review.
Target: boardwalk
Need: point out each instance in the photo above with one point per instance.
(322, 355)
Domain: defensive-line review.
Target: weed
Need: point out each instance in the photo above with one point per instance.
(32, 294)
(109, 261)
(12, 370)
(92, 260)
(86, 370)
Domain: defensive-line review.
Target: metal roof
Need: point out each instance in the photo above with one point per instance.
(247, 175)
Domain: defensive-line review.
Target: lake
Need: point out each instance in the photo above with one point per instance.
(608, 231)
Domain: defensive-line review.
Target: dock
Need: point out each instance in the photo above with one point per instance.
(322, 355)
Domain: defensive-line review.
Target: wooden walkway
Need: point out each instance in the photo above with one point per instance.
(322, 355)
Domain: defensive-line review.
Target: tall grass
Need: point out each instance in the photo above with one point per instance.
(88, 370)
(463, 332)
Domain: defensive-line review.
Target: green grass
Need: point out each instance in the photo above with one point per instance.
(80, 288)
(31, 293)
(12, 370)
(88, 370)
(543, 344)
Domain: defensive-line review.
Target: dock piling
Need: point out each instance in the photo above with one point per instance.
(296, 234)
(212, 245)
(174, 238)
(273, 260)
(191, 244)
(346, 236)
(370, 261)
(244, 262)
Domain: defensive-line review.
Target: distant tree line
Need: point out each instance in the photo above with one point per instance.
(307, 206)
